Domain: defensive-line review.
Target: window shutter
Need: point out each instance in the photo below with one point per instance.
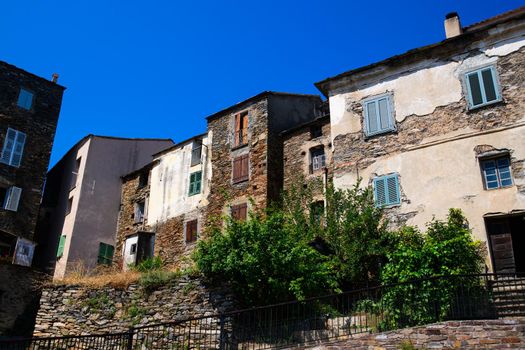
(371, 118)
(384, 116)
(61, 244)
(24, 252)
(198, 180)
(237, 128)
(244, 163)
(192, 183)
(18, 150)
(380, 191)
(393, 190)
(9, 144)
(12, 198)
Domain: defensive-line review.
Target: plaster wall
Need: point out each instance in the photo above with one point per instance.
(448, 175)
(418, 89)
(170, 180)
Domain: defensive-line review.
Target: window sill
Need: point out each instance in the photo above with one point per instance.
(234, 148)
(193, 194)
(382, 133)
(237, 182)
(389, 206)
(499, 188)
(484, 105)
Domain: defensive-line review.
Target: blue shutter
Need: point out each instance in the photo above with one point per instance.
(482, 87)
(393, 196)
(386, 190)
(378, 116)
(18, 149)
(380, 191)
(9, 144)
(504, 172)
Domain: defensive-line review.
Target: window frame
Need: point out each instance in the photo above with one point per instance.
(18, 134)
(196, 153)
(239, 129)
(497, 87)
(387, 203)
(28, 91)
(193, 235)
(390, 110)
(13, 193)
(322, 157)
(483, 161)
(136, 210)
(192, 190)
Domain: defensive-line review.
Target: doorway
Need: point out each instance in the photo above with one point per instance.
(506, 236)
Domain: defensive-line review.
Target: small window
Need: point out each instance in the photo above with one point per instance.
(69, 205)
(196, 153)
(24, 252)
(378, 115)
(195, 183)
(13, 147)
(317, 212)
(61, 245)
(241, 129)
(191, 231)
(139, 212)
(386, 190)
(12, 198)
(496, 173)
(143, 179)
(105, 254)
(317, 159)
(133, 248)
(74, 174)
(25, 99)
(482, 86)
(316, 131)
(239, 212)
(241, 168)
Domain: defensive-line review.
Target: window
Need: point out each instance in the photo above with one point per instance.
(143, 179)
(239, 212)
(69, 205)
(12, 198)
(61, 244)
(482, 87)
(386, 190)
(496, 173)
(105, 254)
(316, 131)
(195, 183)
(317, 211)
(74, 174)
(241, 129)
(24, 252)
(139, 212)
(25, 99)
(317, 159)
(196, 152)
(240, 168)
(133, 248)
(13, 147)
(378, 115)
(191, 231)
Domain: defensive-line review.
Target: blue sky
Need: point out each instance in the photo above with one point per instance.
(157, 68)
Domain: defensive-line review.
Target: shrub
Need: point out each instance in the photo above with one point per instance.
(155, 279)
(150, 264)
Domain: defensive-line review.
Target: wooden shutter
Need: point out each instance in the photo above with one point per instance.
(239, 212)
(237, 128)
(105, 253)
(191, 231)
(9, 144)
(61, 244)
(12, 198)
(241, 168)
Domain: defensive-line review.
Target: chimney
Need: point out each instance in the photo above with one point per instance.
(452, 25)
(54, 78)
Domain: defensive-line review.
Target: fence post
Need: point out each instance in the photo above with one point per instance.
(222, 333)
(131, 332)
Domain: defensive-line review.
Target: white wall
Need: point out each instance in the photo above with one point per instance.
(169, 183)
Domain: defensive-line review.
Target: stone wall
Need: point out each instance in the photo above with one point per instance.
(222, 190)
(39, 124)
(19, 294)
(486, 334)
(72, 310)
(297, 146)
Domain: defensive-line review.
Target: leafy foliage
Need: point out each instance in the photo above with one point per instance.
(150, 264)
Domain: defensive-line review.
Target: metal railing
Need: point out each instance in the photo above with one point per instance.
(377, 309)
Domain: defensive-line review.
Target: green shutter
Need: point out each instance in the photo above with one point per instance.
(195, 183)
(105, 254)
(61, 244)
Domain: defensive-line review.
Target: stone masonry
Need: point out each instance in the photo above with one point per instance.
(484, 334)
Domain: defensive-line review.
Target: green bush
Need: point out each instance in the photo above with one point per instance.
(150, 264)
(155, 279)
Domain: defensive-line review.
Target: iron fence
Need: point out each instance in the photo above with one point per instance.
(382, 308)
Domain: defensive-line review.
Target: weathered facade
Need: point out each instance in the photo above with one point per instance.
(80, 207)
(29, 110)
(247, 151)
(163, 205)
(441, 126)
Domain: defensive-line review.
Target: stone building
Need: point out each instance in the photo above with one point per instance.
(163, 205)
(442, 126)
(29, 109)
(307, 155)
(247, 150)
(80, 207)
